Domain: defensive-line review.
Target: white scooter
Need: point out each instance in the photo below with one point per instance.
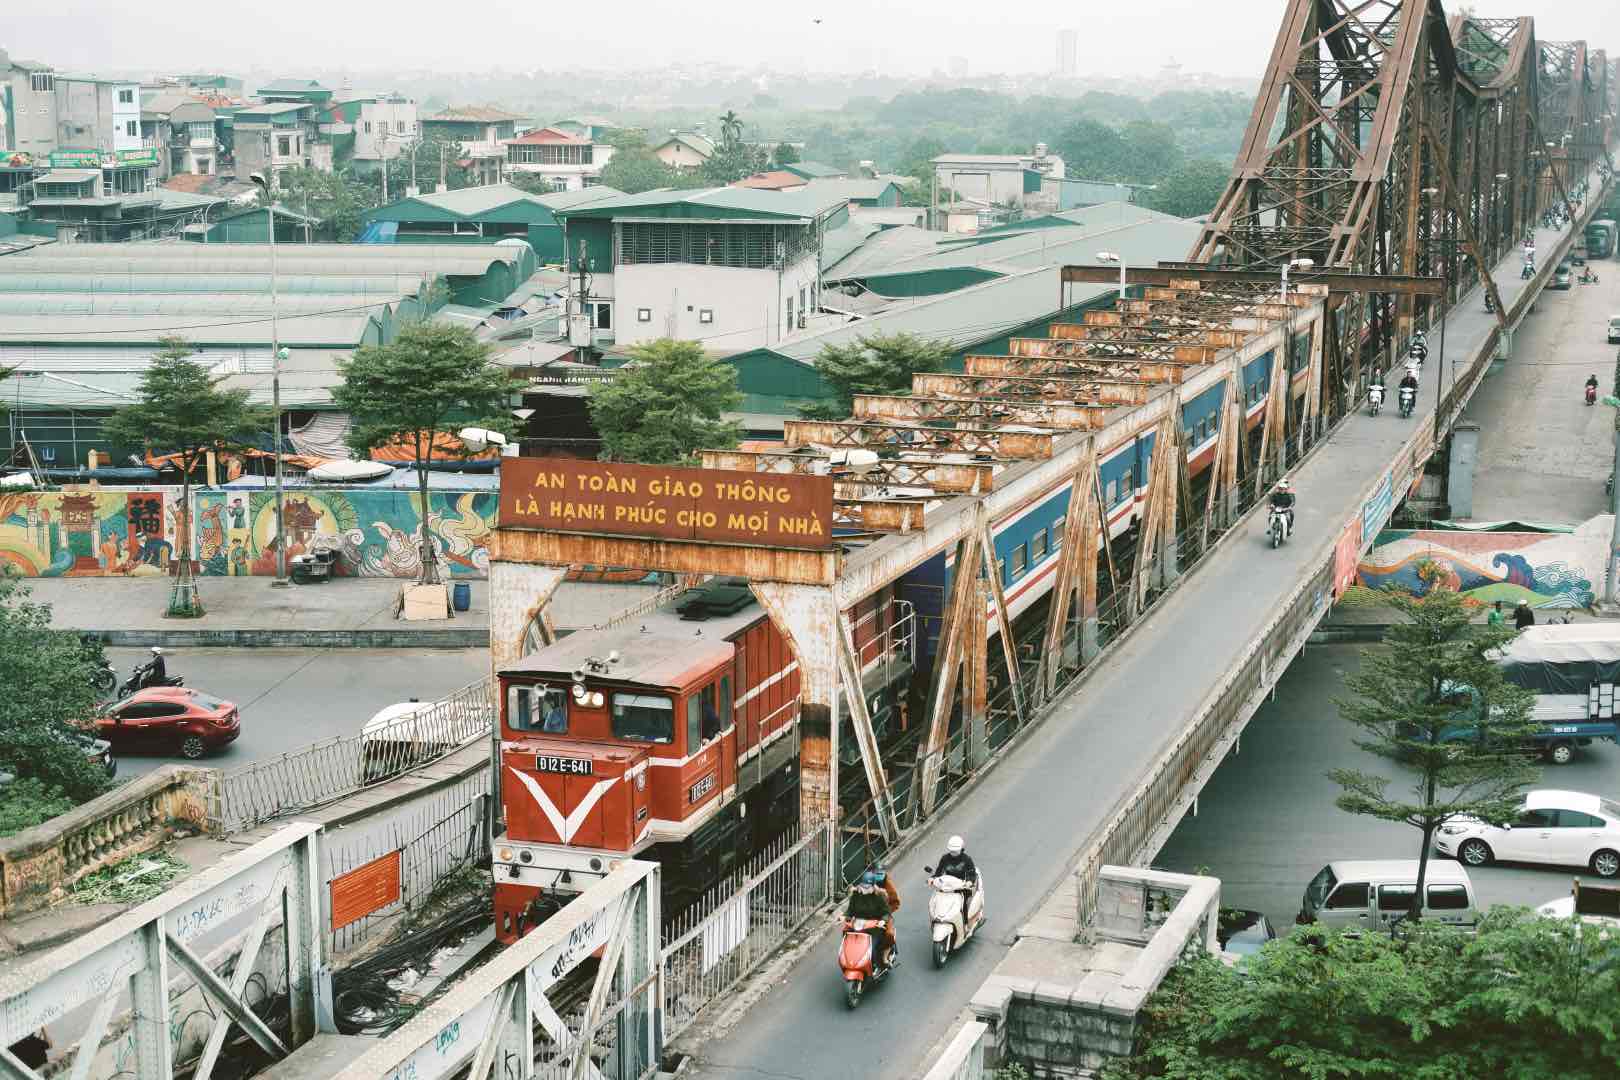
(945, 912)
(1375, 398)
(1408, 399)
(1277, 526)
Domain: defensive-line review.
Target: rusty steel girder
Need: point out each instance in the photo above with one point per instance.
(1011, 445)
(1128, 329)
(951, 477)
(1071, 367)
(878, 514)
(1121, 349)
(986, 413)
(1022, 388)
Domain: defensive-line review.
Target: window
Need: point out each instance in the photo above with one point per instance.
(368, 127)
(643, 717)
(725, 702)
(283, 146)
(42, 82)
(132, 128)
(643, 314)
(1536, 819)
(1020, 562)
(1448, 898)
(702, 718)
(399, 127)
(1126, 490)
(1037, 546)
(604, 316)
(1057, 533)
(790, 312)
(706, 315)
(537, 708)
(1351, 895)
(1574, 819)
(1322, 884)
(126, 97)
(1393, 899)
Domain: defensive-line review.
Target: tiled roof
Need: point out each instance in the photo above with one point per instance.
(549, 137)
(478, 114)
(772, 181)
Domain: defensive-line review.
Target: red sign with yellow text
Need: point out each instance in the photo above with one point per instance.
(666, 503)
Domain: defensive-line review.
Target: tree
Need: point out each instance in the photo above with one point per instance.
(1434, 699)
(1191, 190)
(731, 128)
(47, 676)
(1091, 150)
(872, 364)
(1151, 152)
(185, 411)
(731, 161)
(428, 381)
(637, 169)
(533, 183)
(335, 201)
(668, 403)
(784, 154)
(1527, 998)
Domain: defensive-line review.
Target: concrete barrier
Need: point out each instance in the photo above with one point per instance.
(38, 865)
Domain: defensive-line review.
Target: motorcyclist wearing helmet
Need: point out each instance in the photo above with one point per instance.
(1409, 381)
(875, 897)
(1282, 498)
(957, 863)
(157, 670)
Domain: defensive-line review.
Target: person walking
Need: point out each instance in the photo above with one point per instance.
(1494, 618)
(1523, 617)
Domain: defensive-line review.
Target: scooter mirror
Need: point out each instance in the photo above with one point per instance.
(929, 870)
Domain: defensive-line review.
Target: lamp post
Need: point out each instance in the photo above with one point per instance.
(280, 580)
(1293, 264)
(1113, 257)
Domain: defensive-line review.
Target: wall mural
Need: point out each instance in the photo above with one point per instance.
(89, 533)
(1555, 570)
(374, 531)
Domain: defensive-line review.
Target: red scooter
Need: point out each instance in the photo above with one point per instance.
(860, 957)
(1591, 394)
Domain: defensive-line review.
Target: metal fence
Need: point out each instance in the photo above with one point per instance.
(711, 946)
(324, 771)
(440, 836)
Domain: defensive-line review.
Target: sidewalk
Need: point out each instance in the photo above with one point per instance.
(343, 613)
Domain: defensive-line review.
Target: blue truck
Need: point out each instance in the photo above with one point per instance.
(1573, 670)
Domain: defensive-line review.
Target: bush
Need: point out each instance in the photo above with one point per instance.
(56, 760)
(28, 802)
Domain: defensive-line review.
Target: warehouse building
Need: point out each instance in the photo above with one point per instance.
(479, 215)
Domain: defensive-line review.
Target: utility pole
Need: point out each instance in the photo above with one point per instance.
(267, 182)
(444, 182)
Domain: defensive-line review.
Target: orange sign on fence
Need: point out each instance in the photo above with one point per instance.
(365, 889)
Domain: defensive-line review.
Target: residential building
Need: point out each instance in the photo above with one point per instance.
(27, 107)
(98, 114)
(990, 180)
(1068, 53)
(92, 197)
(183, 130)
(307, 91)
(732, 267)
(566, 162)
(277, 136)
(481, 131)
(479, 215)
(382, 127)
(684, 151)
(214, 84)
(593, 128)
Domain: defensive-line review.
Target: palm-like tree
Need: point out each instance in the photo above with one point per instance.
(731, 128)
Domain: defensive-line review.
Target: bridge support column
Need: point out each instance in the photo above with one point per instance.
(1460, 474)
(807, 615)
(1504, 343)
(519, 594)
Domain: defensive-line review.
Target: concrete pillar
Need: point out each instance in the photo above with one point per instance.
(518, 594)
(1504, 343)
(807, 616)
(1460, 474)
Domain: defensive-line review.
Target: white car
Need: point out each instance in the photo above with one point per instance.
(1559, 828)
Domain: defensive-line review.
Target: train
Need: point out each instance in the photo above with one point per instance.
(674, 736)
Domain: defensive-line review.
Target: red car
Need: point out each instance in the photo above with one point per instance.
(167, 718)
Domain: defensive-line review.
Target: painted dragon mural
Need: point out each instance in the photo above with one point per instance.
(1545, 569)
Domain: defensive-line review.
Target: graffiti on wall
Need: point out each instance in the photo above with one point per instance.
(1543, 569)
(89, 533)
(374, 531)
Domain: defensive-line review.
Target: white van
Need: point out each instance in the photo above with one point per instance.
(1614, 329)
(1368, 894)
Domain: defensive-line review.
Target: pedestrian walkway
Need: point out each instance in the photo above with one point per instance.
(346, 612)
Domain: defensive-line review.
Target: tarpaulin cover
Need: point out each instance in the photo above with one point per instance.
(1563, 659)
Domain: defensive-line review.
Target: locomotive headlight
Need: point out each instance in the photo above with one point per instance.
(504, 854)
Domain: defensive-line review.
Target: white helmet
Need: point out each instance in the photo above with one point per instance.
(156, 651)
(1284, 484)
(954, 845)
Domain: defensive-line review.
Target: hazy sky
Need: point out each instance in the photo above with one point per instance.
(1233, 37)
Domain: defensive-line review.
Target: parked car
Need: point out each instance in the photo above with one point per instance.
(1241, 932)
(164, 719)
(1555, 828)
(97, 750)
(1371, 893)
(1614, 329)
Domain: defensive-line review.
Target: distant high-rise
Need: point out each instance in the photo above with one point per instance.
(1068, 53)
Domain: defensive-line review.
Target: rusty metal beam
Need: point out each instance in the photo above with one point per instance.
(1016, 445)
(1024, 388)
(948, 661)
(1335, 281)
(985, 413)
(953, 477)
(1070, 367)
(1142, 348)
(879, 515)
(1079, 552)
(860, 720)
(672, 556)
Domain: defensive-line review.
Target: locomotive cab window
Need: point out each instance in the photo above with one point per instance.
(643, 717)
(537, 708)
(702, 718)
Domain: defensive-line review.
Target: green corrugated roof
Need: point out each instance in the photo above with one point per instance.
(813, 170)
(726, 201)
(851, 189)
(337, 331)
(158, 303)
(473, 201)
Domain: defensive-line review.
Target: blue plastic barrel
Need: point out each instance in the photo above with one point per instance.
(461, 595)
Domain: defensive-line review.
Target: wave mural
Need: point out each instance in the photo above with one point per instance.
(1550, 570)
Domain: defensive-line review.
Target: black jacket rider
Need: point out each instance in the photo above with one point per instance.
(157, 672)
(957, 866)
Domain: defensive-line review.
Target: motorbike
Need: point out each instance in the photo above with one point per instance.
(1375, 398)
(140, 677)
(1588, 278)
(1490, 305)
(103, 676)
(1529, 271)
(1591, 394)
(1277, 526)
(1608, 485)
(945, 912)
(860, 957)
(1408, 399)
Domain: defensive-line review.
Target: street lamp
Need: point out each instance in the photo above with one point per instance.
(1113, 257)
(277, 355)
(1609, 569)
(1293, 264)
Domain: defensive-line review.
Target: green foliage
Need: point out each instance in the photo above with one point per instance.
(335, 200)
(428, 152)
(432, 378)
(533, 183)
(1411, 693)
(635, 169)
(184, 410)
(46, 674)
(1526, 999)
(29, 802)
(784, 154)
(666, 405)
(134, 880)
(872, 364)
(1191, 189)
